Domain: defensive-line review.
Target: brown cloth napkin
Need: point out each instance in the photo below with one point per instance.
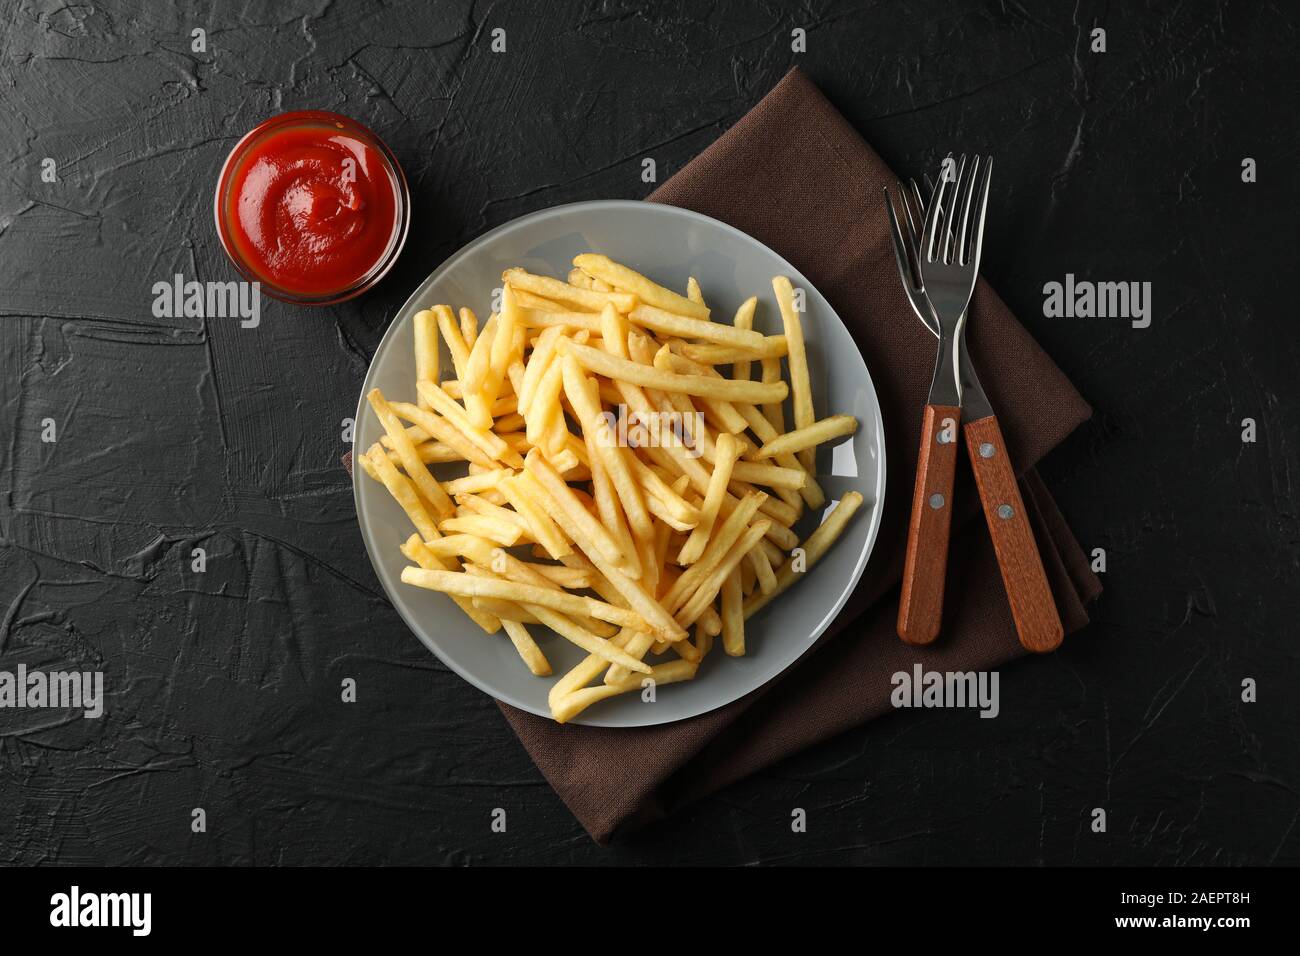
(794, 175)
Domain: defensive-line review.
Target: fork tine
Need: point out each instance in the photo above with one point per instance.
(961, 224)
(950, 221)
(901, 250)
(932, 213)
(912, 205)
(981, 207)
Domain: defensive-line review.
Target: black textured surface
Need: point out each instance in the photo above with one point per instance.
(224, 686)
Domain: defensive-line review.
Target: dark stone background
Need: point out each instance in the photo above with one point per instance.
(182, 433)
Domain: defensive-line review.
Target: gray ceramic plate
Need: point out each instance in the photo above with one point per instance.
(668, 244)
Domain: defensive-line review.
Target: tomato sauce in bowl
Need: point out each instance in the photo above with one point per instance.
(313, 206)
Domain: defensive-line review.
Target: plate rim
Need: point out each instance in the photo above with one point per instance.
(877, 506)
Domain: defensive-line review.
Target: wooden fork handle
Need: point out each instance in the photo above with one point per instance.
(920, 610)
(1032, 606)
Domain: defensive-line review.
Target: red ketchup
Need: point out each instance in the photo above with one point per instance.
(313, 206)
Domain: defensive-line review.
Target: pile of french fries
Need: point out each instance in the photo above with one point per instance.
(618, 543)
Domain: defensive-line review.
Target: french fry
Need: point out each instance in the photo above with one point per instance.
(540, 525)
(455, 339)
(444, 431)
(633, 593)
(562, 292)
(527, 648)
(837, 426)
(693, 291)
(731, 530)
(733, 616)
(651, 293)
(468, 585)
(728, 451)
(611, 366)
(603, 444)
(402, 490)
(818, 543)
(425, 323)
(472, 483)
(712, 583)
(800, 386)
(682, 327)
(469, 326)
(574, 703)
(485, 439)
(773, 476)
(763, 572)
(415, 550)
(502, 532)
(530, 300)
(415, 469)
(773, 347)
(592, 537)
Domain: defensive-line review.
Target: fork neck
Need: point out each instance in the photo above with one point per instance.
(945, 387)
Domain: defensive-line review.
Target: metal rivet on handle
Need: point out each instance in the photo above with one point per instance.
(986, 449)
(936, 501)
(1005, 511)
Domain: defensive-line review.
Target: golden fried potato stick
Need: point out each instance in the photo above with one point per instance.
(527, 648)
(415, 550)
(609, 510)
(562, 292)
(540, 525)
(591, 535)
(470, 484)
(680, 326)
(611, 366)
(709, 587)
(603, 443)
(763, 572)
(425, 324)
(651, 293)
(818, 543)
(733, 616)
(636, 596)
(773, 347)
(731, 530)
(444, 431)
(455, 339)
(416, 471)
(836, 426)
(693, 291)
(468, 326)
(529, 595)
(728, 452)
(485, 439)
(494, 529)
(800, 386)
(572, 704)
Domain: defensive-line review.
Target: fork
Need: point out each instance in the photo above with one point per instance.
(920, 609)
(1038, 623)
